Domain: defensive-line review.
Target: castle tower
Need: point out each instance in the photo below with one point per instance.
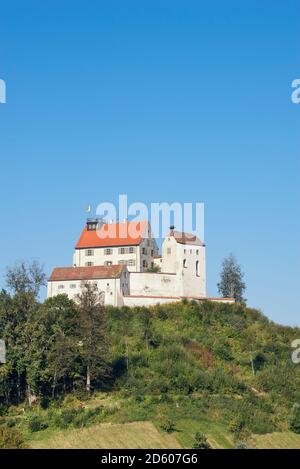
(184, 255)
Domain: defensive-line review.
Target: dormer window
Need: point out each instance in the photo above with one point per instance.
(184, 264)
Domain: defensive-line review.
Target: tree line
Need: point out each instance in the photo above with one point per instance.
(53, 347)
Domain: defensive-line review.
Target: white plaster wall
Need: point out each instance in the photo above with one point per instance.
(80, 257)
(154, 284)
(99, 257)
(192, 283)
(169, 255)
(140, 301)
(113, 289)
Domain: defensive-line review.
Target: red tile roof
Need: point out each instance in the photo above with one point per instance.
(86, 273)
(186, 238)
(113, 234)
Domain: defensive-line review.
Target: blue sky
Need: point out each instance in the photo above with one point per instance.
(163, 101)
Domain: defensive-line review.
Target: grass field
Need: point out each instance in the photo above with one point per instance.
(216, 433)
(129, 435)
(282, 440)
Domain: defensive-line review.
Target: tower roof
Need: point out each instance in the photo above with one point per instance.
(186, 238)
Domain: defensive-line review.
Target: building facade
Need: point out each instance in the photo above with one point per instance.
(127, 243)
(120, 259)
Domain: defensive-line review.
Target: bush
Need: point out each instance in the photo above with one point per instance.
(237, 425)
(66, 417)
(44, 402)
(295, 419)
(36, 423)
(11, 438)
(166, 424)
(200, 441)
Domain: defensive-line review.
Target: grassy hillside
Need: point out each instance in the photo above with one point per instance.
(129, 435)
(277, 440)
(179, 369)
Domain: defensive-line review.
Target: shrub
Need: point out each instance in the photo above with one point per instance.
(295, 419)
(236, 425)
(166, 424)
(200, 441)
(36, 423)
(11, 438)
(44, 402)
(66, 417)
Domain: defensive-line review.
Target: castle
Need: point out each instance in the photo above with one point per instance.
(123, 260)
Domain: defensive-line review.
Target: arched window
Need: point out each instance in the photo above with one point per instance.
(197, 268)
(184, 263)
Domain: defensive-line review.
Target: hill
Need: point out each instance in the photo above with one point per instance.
(223, 370)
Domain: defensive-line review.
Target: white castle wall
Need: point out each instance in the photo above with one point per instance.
(154, 284)
(113, 289)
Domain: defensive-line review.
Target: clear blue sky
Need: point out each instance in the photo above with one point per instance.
(164, 101)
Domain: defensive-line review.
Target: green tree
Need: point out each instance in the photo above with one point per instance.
(94, 340)
(231, 282)
(25, 277)
(54, 334)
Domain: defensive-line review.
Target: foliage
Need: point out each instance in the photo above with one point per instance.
(11, 438)
(185, 361)
(231, 282)
(154, 269)
(25, 277)
(200, 441)
(166, 424)
(36, 423)
(295, 419)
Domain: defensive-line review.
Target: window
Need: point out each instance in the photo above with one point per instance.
(108, 263)
(197, 268)
(152, 253)
(123, 250)
(61, 287)
(197, 252)
(132, 249)
(73, 285)
(152, 265)
(184, 251)
(144, 251)
(145, 265)
(91, 226)
(184, 264)
(89, 252)
(108, 251)
(89, 264)
(126, 262)
(169, 250)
